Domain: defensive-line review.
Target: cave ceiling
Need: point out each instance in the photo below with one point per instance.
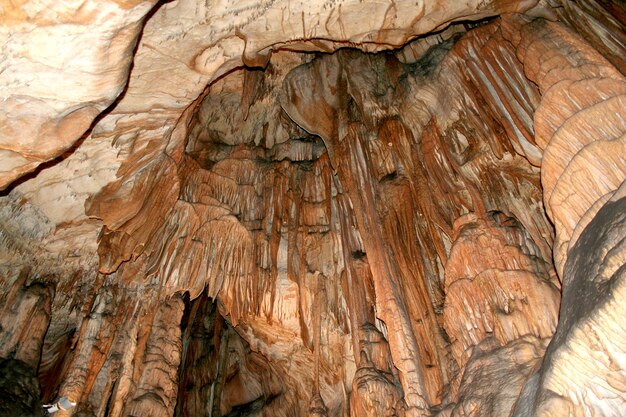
(325, 208)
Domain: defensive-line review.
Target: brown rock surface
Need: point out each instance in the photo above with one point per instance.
(67, 62)
(583, 190)
(496, 286)
(313, 209)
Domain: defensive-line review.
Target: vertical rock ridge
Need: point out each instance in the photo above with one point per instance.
(571, 111)
(325, 234)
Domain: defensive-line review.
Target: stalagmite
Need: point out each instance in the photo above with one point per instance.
(323, 209)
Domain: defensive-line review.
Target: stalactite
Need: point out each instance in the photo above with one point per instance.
(390, 305)
(326, 234)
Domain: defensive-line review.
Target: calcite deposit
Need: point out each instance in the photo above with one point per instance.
(329, 209)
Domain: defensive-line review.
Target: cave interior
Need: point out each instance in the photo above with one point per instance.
(328, 209)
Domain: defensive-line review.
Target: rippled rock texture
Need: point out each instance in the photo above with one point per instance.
(314, 210)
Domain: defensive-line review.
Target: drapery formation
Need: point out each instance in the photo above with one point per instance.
(433, 230)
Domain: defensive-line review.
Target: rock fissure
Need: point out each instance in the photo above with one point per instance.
(282, 216)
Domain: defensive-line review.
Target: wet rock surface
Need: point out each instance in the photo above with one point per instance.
(274, 220)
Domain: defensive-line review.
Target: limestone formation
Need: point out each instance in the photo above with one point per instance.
(328, 208)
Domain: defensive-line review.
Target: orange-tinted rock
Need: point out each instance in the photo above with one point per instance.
(496, 286)
(66, 63)
(323, 234)
(583, 179)
(374, 391)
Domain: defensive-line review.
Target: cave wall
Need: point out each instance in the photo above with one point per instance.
(338, 234)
